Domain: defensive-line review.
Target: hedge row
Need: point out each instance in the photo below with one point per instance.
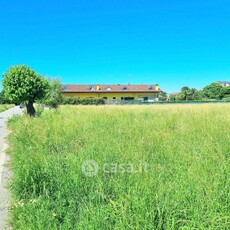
(93, 101)
(76, 101)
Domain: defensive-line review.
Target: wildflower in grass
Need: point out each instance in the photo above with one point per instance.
(33, 201)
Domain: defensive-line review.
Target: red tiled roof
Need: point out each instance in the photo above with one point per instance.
(109, 88)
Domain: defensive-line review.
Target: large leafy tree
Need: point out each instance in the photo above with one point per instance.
(226, 91)
(23, 85)
(213, 91)
(54, 96)
(186, 94)
(198, 95)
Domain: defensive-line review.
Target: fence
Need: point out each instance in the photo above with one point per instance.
(139, 102)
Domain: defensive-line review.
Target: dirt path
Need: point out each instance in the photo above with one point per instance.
(4, 172)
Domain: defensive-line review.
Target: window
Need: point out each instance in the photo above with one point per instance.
(150, 88)
(105, 98)
(108, 88)
(91, 88)
(129, 98)
(65, 88)
(114, 97)
(125, 88)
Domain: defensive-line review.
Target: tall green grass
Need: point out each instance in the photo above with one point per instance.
(4, 107)
(186, 183)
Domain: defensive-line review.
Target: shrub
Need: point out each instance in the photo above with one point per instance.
(227, 99)
(54, 97)
(77, 101)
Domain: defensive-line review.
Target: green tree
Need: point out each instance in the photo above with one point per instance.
(192, 93)
(184, 89)
(199, 95)
(187, 93)
(172, 97)
(226, 91)
(54, 96)
(180, 97)
(213, 91)
(3, 99)
(163, 96)
(23, 85)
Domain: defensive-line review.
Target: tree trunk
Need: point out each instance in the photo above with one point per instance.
(30, 109)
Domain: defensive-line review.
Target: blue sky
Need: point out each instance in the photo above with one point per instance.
(172, 43)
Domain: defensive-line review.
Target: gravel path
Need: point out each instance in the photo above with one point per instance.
(4, 172)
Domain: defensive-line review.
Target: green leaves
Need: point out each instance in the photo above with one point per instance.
(214, 91)
(54, 94)
(22, 84)
(226, 91)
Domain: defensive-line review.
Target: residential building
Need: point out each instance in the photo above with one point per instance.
(113, 92)
(224, 83)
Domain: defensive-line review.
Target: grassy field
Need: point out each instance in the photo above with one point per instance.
(4, 107)
(159, 167)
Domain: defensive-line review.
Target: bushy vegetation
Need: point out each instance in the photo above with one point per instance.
(4, 107)
(186, 184)
(87, 101)
(54, 96)
(226, 99)
(3, 99)
(213, 92)
(21, 84)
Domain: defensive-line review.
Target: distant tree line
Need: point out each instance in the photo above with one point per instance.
(213, 92)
